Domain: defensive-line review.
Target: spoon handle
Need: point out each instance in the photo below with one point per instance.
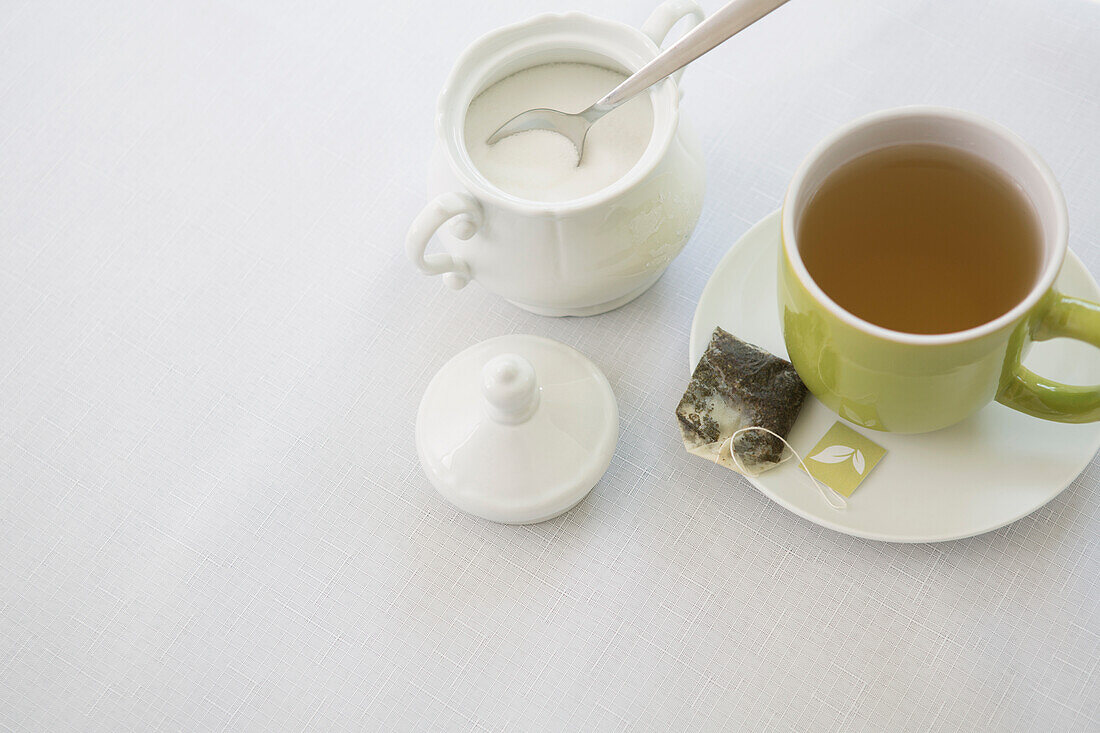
(734, 17)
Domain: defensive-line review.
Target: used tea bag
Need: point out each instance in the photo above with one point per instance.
(735, 386)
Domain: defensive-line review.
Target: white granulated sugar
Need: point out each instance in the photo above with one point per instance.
(541, 165)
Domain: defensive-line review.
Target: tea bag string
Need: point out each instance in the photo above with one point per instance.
(833, 499)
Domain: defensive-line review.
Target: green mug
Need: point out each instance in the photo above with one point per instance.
(914, 383)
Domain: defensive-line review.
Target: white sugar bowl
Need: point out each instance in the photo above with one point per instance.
(565, 258)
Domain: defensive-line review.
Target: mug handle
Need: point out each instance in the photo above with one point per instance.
(668, 14)
(454, 269)
(1026, 391)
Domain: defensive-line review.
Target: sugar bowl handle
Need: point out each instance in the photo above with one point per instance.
(467, 215)
(668, 14)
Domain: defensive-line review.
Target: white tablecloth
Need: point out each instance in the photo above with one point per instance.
(212, 346)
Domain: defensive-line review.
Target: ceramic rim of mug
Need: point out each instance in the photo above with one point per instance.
(575, 37)
(944, 126)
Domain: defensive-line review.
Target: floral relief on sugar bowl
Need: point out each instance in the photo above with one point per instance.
(582, 256)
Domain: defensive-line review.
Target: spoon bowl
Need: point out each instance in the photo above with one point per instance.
(572, 126)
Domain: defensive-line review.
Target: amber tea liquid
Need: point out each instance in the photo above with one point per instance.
(921, 238)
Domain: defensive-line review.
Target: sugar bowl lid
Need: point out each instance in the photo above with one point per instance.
(517, 429)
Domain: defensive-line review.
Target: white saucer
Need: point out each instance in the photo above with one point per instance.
(977, 476)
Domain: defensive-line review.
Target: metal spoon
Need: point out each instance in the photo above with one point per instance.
(734, 17)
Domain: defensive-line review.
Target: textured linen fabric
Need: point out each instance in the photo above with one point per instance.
(212, 347)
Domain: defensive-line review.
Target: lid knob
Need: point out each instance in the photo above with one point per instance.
(510, 387)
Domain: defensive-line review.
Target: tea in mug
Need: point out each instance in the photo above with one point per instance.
(921, 238)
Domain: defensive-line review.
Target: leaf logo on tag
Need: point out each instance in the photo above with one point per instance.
(840, 454)
(843, 458)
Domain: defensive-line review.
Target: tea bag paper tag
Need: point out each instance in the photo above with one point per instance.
(843, 458)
